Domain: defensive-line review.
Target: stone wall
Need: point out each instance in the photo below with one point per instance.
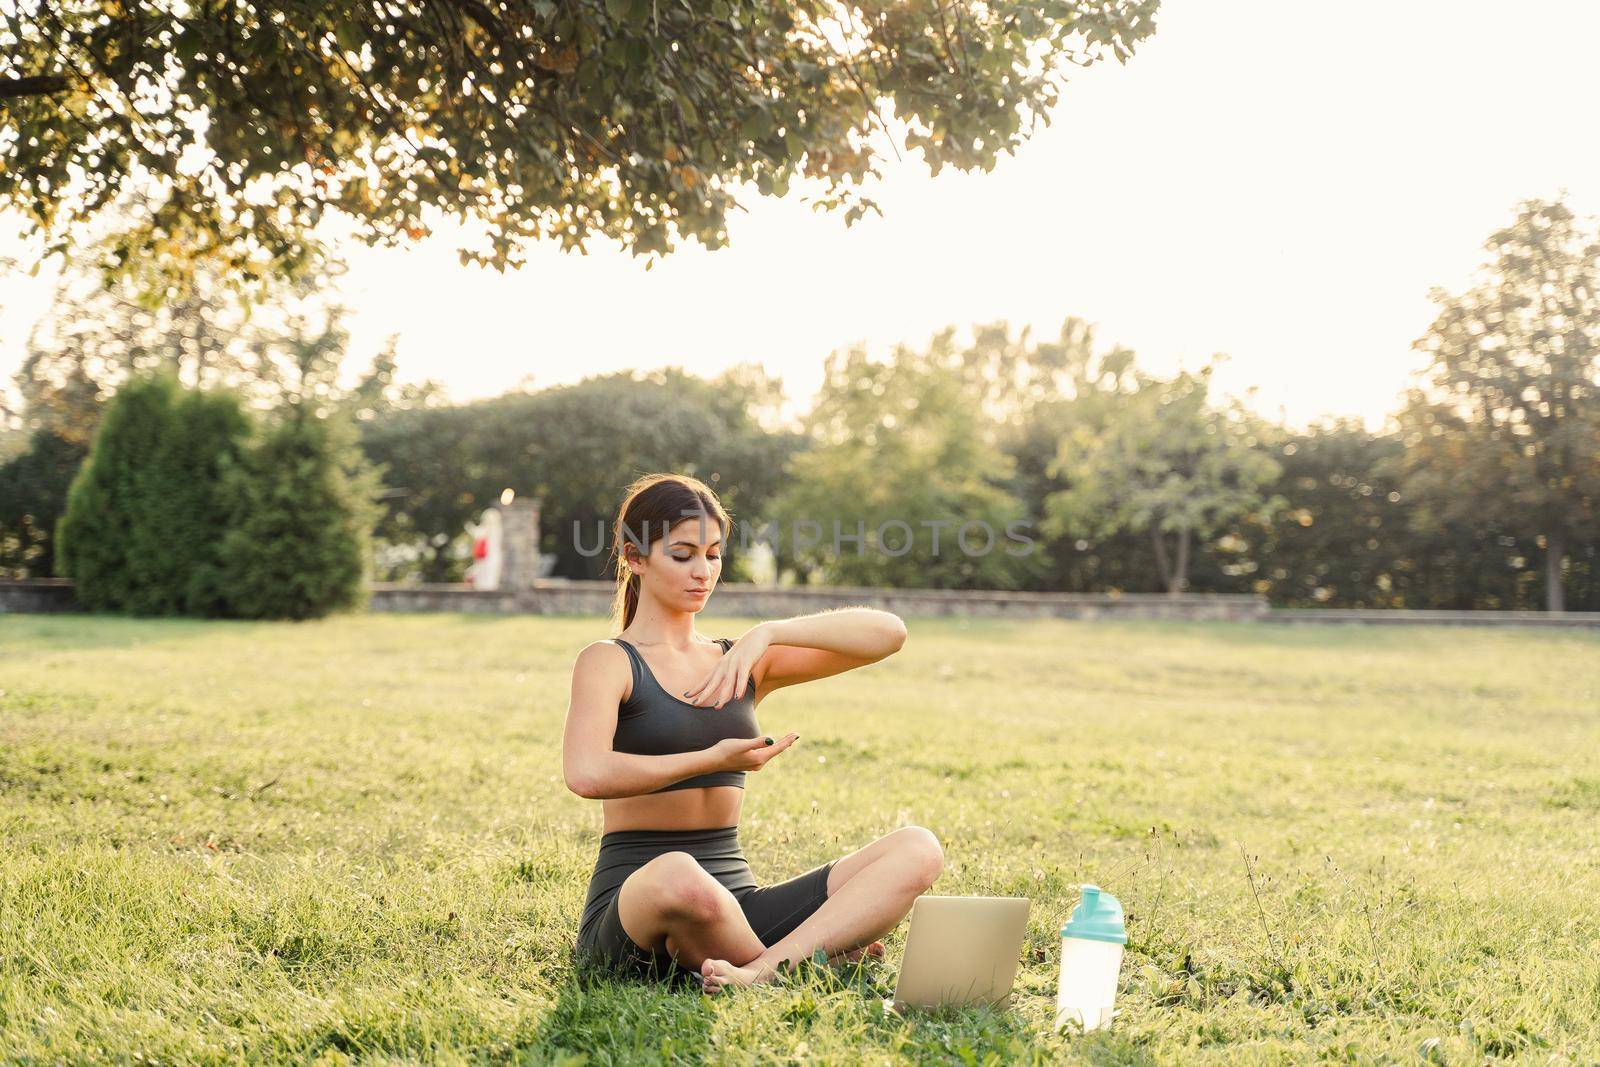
(555, 597)
(37, 596)
(1563, 620)
(559, 597)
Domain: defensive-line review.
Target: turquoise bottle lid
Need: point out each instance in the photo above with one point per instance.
(1098, 917)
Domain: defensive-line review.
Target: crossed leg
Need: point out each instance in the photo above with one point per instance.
(869, 892)
(673, 904)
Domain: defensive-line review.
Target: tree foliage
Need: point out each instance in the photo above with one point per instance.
(33, 493)
(106, 500)
(638, 120)
(298, 533)
(1506, 426)
(282, 342)
(180, 510)
(1163, 459)
(900, 455)
(143, 519)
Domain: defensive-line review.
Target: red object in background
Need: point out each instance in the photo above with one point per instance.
(480, 548)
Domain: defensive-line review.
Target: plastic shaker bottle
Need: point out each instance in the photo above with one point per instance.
(1091, 955)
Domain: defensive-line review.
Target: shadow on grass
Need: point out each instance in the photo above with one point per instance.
(816, 1014)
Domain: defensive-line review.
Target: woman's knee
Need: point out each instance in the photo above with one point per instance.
(920, 854)
(684, 890)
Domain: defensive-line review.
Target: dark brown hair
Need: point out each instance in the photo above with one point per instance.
(654, 504)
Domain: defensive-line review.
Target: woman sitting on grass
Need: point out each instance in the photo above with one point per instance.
(662, 729)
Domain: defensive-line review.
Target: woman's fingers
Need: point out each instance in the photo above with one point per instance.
(698, 693)
(766, 753)
(759, 750)
(738, 684)
(727, 681)
(717, 690)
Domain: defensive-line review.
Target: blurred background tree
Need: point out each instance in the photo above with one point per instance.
(902, 441)
(33, 493)
(1163, 460)
(572, 446)
(301, 504)
(995, 424)
(143, 518)
(299, 511)
(98, 334)
(1506, 428)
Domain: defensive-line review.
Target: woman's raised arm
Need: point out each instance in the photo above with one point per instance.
(784, 652)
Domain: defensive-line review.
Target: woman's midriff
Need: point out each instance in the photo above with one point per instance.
(701, 808)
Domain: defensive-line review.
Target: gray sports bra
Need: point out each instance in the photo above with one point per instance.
(653, 722)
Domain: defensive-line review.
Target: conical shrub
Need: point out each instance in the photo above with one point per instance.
(297, 544)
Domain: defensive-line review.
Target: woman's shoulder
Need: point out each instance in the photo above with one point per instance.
(605, 650)
(604, 660)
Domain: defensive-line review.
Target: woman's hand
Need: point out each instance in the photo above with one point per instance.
(731, 677)
(750, 753)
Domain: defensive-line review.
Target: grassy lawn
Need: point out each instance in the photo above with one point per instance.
(348, 841)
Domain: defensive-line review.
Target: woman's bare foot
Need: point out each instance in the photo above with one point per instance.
(854, 954)
(715, 975)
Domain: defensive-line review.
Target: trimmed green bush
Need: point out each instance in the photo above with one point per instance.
(180, 510)
(143, 524)
(179, 545)
(103, 503)
(297, 546)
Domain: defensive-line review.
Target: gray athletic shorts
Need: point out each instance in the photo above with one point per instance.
(773, 911)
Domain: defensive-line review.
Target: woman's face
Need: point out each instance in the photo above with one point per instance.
(684, 566)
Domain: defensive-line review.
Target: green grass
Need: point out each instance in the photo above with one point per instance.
(348, 841)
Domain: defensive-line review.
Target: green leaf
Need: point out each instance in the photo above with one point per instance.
(756, 125)
(345, 32)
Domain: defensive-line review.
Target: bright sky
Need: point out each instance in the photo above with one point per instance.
(1279, 182)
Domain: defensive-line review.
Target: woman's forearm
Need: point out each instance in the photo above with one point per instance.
(866, 632)
(626, 774)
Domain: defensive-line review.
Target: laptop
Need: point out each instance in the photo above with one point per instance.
(961, 950)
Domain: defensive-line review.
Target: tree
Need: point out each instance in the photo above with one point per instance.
(33, 493)
(144, 520)
(576, 447)
(636, 120)
(1163, 460)
(297, 541)
(175, 548)
(432, 485)
(105, 501)
(1507, 423)
(901, 454)
(99, 331)
(301, 503)
(94, 335)
(1036, 392)
(1341, 538)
